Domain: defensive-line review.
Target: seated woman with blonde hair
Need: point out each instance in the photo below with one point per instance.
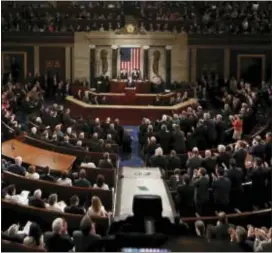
(96, 208)
(31, 172)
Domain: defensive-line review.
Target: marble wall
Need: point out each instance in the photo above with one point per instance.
(156, 41)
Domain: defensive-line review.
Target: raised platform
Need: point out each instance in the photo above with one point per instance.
(128, 114)
(118, 86)
(133, 98)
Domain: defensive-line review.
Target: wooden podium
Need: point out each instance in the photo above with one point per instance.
(119, 86)
(130, 95)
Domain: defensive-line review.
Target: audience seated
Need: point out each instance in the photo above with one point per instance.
(64, 179)
(31, 173)
(96, 208)
(205, 17)
(36, 200)
(82, 181)
(100, 183)
(74, 207)
(86, 236)
(58, 240)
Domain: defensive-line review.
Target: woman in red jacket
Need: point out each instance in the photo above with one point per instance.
(237, 124)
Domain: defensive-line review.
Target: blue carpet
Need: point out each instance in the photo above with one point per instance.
(133, 159)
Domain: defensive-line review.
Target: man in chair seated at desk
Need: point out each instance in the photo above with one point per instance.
(130, 82)
(123, 74)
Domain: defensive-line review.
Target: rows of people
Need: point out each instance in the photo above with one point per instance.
(54, 123)
(75, 179)
(206, 17)
(69, 17)
(52, 203)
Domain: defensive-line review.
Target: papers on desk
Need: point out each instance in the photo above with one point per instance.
(88, 165)
(26, 228)
(167, 91)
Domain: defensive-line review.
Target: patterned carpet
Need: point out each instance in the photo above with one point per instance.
(133, 159)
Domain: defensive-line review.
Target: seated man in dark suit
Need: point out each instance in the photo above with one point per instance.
(36, 199)
(46, 175)
(82, 181)
(85, 237)
(74, 207)
(66, 142)
(58, 240)
(17, 168)
(106, 162)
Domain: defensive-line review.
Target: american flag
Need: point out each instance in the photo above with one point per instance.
(130, 58)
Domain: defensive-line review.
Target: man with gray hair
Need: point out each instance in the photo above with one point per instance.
(36, 199)
(58, 240)
(17, 168)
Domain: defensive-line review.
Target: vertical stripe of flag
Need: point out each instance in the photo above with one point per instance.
(130, 58)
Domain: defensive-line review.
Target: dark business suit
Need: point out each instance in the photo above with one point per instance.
(58, 243)
(164, 138)
(19, 170)
(193, 163)
(39, 203)
(74, 210)
(158, 161)
(83, 243)
(47, 177)
(178, 143)
(221, 187)
(209, 164)
(236, 175)
(258, 151)
(201, 194)
(240, 157)
(173, 163)
(82, 182)
(105, 164)
(185, 200)
(268, 152)
(259, 177)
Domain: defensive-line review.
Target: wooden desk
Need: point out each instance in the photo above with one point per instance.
(118, 86)
(36, 156)
(129, 115)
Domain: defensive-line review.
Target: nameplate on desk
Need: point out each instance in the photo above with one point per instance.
(129, 89)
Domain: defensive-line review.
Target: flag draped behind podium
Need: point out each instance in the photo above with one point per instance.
(130, 58)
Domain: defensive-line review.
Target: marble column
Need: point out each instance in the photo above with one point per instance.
(67, 62)
(145, 62)
(168, 74)
(193, 65)
(114, 62)
(227, 63)
(36, 59)
(92, 66)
